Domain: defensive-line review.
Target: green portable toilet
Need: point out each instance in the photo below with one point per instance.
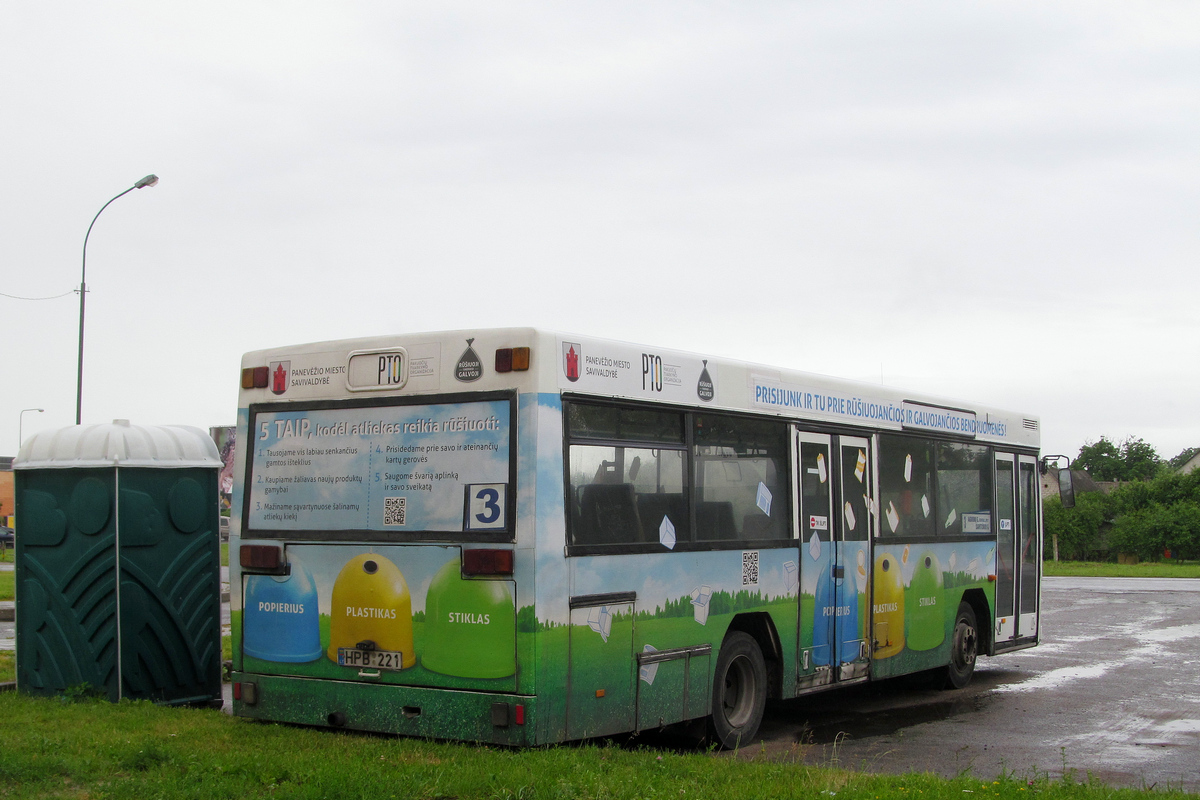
(118, 563)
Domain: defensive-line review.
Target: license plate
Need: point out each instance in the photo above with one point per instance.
(370, 659)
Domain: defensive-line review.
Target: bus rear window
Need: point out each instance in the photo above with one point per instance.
(386, 468)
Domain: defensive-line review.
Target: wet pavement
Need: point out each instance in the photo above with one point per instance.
(1112, 692)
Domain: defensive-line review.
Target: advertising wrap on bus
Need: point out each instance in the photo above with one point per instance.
(393, 468)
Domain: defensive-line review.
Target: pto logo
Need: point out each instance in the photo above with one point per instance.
(280, 374)
(572, 355)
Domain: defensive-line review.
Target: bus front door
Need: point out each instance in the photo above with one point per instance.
(1018, 549)
(834, 563)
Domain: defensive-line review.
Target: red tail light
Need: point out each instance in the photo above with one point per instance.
(487, 562)
(261, 557)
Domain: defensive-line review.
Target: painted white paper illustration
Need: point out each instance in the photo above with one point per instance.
(821, 467)
(925, 505)
(861, 466)
(647, 672)
(791, 574)
(666, 533)
(893, 516)
(953, 560)
(860, 573)
(700, 598)
(953, 515)
(850, 520)
(600, 620)
(908, 468)
(763, 499)
(814, 547)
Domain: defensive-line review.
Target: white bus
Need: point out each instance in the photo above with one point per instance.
(522, 537)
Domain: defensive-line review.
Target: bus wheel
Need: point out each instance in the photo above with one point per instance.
(739, 690)
(964, 647)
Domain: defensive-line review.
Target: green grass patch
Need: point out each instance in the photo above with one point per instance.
(8, 585)
(1146, 569)
(8, 666)
(224, 554)
(8, 555)
(54, 748)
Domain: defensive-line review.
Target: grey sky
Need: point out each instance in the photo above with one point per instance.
(985, 201)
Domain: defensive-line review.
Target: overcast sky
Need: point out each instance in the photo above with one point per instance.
(985, 201)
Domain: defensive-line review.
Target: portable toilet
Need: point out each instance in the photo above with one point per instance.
(118, 563)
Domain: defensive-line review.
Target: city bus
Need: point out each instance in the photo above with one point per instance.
(522, 537)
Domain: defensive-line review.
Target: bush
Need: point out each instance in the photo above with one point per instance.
(1079, 529)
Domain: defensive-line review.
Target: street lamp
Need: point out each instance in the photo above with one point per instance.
(21, 425)
(149, 180)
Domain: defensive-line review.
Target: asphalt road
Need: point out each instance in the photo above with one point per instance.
(1113, 692)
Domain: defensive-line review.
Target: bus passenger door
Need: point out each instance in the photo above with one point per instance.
(1018, 548)
(1006, 548)
(1029, 544)
(851, 570)
(816, 637)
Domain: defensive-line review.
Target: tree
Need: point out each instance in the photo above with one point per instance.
(1133, 460)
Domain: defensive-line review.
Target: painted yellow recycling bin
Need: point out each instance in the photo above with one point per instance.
(371, 611)
(118, 563)
(889, 606)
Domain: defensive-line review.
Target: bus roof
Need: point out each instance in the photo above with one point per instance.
(467, 360)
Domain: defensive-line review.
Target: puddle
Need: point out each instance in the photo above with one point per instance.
(1057, 677)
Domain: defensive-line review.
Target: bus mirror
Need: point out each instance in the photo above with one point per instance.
(1066, 489)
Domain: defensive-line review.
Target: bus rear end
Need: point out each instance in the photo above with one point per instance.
(375, 571)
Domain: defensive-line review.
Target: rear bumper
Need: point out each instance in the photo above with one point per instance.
(406, 710)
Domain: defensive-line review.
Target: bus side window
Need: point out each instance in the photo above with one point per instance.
(741, 479)
(964, 481)
(628, 481)
(906, 495)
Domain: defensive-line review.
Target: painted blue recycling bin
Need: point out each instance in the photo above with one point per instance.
(281, 621)
(118, 563)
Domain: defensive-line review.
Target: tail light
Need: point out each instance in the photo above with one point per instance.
(487, 562)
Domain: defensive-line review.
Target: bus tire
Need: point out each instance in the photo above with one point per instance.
(964, 648)
(739, 691)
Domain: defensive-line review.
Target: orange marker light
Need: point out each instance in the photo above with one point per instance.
(520, 359)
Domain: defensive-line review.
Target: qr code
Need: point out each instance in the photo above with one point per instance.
(750, 568)
(393, 510)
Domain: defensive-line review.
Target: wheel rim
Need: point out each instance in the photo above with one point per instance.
(965, 646)
(740, 688)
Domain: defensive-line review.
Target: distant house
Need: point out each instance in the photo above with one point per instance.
(1191, 464)
(1081, 480)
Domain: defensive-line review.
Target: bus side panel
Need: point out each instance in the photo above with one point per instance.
(916, 598)
(525, 560)
(552, 590)
(685, 602)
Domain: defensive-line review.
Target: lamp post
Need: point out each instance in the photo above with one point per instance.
(149, 180)
(21, 425)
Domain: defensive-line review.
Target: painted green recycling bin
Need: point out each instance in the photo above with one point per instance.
(118, 563)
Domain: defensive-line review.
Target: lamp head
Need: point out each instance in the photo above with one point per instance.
(149, 180)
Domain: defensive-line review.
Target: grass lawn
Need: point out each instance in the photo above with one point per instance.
(55, 748)
(8, 583)
(1147, 569)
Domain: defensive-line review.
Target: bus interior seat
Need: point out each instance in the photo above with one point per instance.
(757, 525)
(608, 515)
(653, 507)
(714, 520)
